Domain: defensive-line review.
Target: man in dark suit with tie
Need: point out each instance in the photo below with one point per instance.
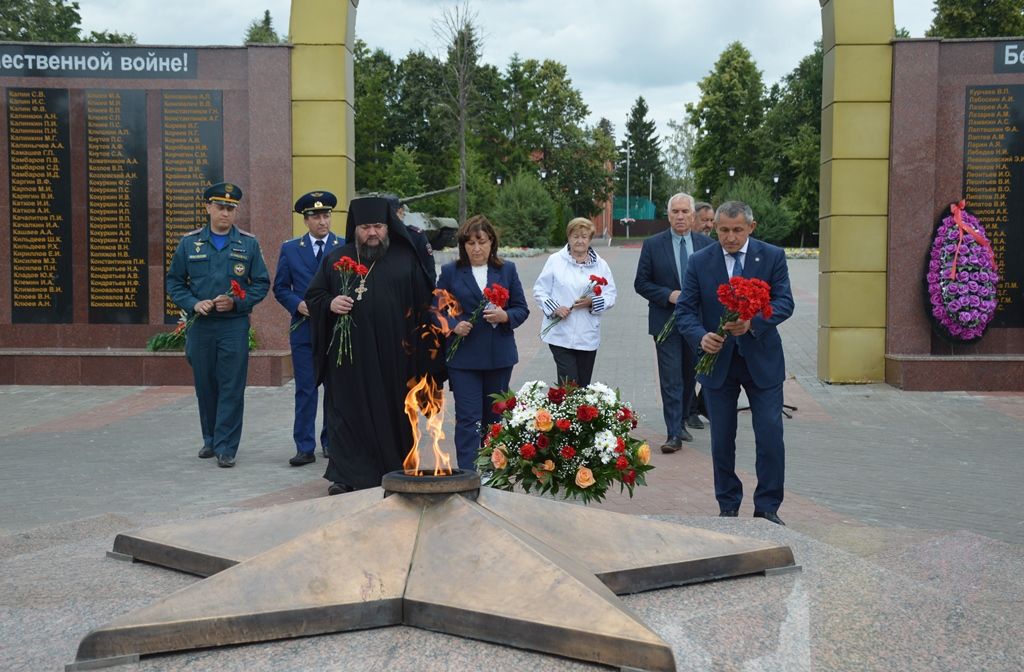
(750, 355)
(663, 262)
(296, 266)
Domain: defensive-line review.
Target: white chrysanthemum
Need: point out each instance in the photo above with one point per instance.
(605, 442)
(604, 393)
(522, 414)
(532, 392)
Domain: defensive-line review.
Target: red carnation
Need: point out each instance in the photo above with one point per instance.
(495, 429)
(563, 425)
(568, 452)
(597, 290)
(543, 441)
(629, 477)
(496, 294)
(598, 280)
(620, 445)
(362, 270)
(237, 290)
(528, 451)
(624, 414)
(499, 407)
(586, 413)
(621, 463)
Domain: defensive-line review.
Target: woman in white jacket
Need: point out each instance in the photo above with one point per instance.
(572, 314)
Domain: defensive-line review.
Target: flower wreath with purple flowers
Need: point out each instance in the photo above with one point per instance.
(962, 277)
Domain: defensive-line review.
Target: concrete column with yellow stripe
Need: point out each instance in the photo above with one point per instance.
(322, 33)
(857, 83)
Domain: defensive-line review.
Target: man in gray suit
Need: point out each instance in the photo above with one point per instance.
(659, 274)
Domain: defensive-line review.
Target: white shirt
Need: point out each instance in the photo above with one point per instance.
(730, 260)
(480, 275)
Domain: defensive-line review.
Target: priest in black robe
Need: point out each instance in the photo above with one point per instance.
(392, 345)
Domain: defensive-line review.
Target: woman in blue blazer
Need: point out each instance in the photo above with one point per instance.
(482, 364)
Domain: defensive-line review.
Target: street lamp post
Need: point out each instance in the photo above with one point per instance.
(627, 180)
(707, 194)
(498, 180)
(775, 179)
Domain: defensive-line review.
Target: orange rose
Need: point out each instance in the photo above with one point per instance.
(541, 475)
(548, 465)
(643, 453)
(498, 458)
(544, 422)
(584, 477)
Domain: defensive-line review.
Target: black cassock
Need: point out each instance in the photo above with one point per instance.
(369, 433)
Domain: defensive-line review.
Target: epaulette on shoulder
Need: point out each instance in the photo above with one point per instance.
(196, 232)
(245, 233)
(413, 227)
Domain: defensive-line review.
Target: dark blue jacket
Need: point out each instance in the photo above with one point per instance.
(699, 311)
(296, 266)
(485, 347)
(657, 277)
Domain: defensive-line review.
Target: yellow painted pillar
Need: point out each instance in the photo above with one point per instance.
(322, 33)
(854, 196)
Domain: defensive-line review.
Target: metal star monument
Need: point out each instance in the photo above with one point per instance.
(544, 575)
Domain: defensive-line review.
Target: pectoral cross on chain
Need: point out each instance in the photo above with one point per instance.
(361, 289)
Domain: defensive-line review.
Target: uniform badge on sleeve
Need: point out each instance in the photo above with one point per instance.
(239, 269)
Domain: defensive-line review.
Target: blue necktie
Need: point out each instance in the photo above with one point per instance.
(319, 250)
(682, 261)
(737, 265)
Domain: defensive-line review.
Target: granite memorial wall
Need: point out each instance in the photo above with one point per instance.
(105, 153)
(957, 132)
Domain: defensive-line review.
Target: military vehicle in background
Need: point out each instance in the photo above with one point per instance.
(440, 231)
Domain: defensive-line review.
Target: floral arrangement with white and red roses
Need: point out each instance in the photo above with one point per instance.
(570, 440)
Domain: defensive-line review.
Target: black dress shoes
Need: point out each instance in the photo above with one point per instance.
(694, 422)
(339, 489)
(685, 435)
(728, 513)
(672, 444)
(206, 452)
(301, 459)
(225, 461)
(770, 516)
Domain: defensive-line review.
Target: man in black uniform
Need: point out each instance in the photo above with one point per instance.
(199, 280)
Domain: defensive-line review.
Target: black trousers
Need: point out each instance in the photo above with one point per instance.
(575, 365)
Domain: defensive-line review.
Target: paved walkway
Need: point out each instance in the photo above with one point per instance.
(859, 457)
(898, 508)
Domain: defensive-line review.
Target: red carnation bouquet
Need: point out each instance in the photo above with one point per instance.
(495, 295)
(593, 287)
(175, 340)
(743, 298)
(349, 270)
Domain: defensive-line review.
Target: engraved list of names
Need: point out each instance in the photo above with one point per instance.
(40, 187)
(117, 205)
(193, 151)
(994, 185)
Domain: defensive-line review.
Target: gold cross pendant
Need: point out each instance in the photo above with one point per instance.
(361, 289)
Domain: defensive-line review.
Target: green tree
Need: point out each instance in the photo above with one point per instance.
(790, 142)
(417, 120)
(457, 28)
(646, 170)
(977, 18)
(49, 21)
(727, 118)
(374, 83)
(109, 37)
(402, 174)
(774, 222)
(524, 212)
(261, 31)
(676, 158)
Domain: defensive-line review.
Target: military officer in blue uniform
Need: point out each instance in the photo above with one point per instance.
(217, 343)
(296, 266)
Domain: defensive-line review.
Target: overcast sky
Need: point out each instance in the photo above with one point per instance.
(614, 50)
